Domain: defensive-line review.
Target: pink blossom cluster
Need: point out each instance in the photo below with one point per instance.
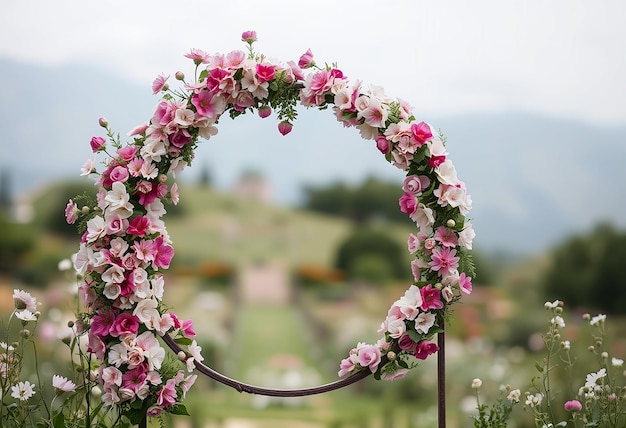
(125, 247)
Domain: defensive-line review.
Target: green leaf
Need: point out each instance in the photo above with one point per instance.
(178, 409)
(58, 421)
(539, 367)
(183, 341)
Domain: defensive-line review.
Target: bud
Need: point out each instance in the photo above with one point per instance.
(451, 223)
(264, 111)
(285, 127)
(179, 75)
(391, 355)
(181, 355)
(162, 178)
(604, 355)
(70, 324)
(476, 383)
(591, 348)
(84, 210)
(103, 122)
(586, 317)
(25, 333)
(66, 340)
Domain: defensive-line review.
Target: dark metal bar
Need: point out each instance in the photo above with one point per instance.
(441, 378)
(252, 389)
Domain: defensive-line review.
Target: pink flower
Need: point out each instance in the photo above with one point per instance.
(159, 84)
(102, 322)
(435, 161)
(249, 36)
(264, 111)
(264, 72)
(134, 379)
(285, 127)
(431, 298)
(573, 406)
(188, 329)
(465, 283)
(163, 253)
(415, 184)
(421, 132)
(139, 226)
(444, 260)
(406, 343)
(369, 356)
(125, 323)
(382, 144)
(128, 153)
(408, 204)
(137, 130)
(446, 237)
(413, 243)
(424, 349)
(398, 374)
(119, 173)
(62, 384)
(198, 56)
(306, 60)
(346, 367)
(71, 212)
(97, 144)
(207, 104)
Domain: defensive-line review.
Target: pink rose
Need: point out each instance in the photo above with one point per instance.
(435, 161)
(421, 132)
(119, 173)
(415, 184)
(408, 204)
(424, 349)
(406, 343)
(244, 100)
(97, 144)
(306, 60)
(125, 323)
(346, 367)
(382, 144)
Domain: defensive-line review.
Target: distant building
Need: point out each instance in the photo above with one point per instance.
(252, 185)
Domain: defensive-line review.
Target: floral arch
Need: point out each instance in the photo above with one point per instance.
(125, 247)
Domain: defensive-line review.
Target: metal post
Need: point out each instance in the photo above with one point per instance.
(441, 379)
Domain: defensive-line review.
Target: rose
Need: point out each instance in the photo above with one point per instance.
(382, 144)
(406, 343)
(369, 356)
(415, 184)
(306, 60)
(125, 323)
(97, 144)
(408, 204)
(424, 349)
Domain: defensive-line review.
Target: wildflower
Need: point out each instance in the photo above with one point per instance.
(26, 315)
(597, 319)
(477, 383)
(24, 300)
(22, 391)
(552, 305)
(573, 406)
(566, 345)
(593, 378)
(6, 347)
(514, 396)
(62, 384)
(533, 400)
(558, 322)
(616, 362)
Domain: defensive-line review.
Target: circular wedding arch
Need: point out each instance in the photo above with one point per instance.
(125, 247)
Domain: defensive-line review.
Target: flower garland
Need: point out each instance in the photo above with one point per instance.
(125, 247)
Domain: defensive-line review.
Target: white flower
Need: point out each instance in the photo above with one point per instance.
(558, 321)
(566, 345)
(552, 305)
(65, 265)
(6, 347)
(147, 312)
(22, 390)
(533, 400)
(593, 378)
(597, 319)
(26, 315)
(24, 300)
(424, 321)
(62, 384)
(477, 383)
(447, 173)
(88, 167)
(616, 362)
(514, 396)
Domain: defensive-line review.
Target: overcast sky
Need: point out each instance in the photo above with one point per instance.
(559, 57)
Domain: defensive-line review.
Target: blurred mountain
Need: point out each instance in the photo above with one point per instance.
(533, 179)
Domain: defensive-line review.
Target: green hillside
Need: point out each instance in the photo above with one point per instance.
(227, 228)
